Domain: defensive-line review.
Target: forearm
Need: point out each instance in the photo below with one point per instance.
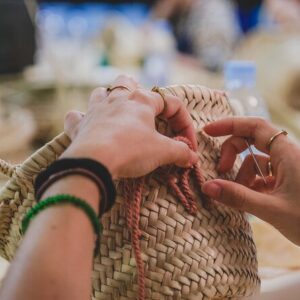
(66, 234)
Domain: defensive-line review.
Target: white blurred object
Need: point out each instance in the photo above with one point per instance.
(213, 29)
(160, 48)
(65, 53)
(124, 42)
(240, 82)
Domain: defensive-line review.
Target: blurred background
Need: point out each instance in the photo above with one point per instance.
(53, 53)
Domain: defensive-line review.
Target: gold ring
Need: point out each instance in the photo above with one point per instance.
(156, 89)
(111, 88)
(270, 169)
(271, 140)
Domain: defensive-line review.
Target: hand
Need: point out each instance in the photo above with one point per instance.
(278, 202)
(119, 131)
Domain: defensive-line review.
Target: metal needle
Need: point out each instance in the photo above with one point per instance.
(255, 161)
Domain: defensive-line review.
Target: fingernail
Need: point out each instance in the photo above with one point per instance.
(212, 190)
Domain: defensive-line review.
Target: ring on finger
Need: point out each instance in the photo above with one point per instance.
(276, 135)
(112, 88)
(156, 89)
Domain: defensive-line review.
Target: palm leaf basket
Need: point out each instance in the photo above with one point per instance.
(209, 255)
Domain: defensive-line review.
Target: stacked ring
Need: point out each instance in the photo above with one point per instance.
(156, 89)
(271, 140)
(112, 88)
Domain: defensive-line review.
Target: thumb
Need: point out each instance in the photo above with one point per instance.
(241, 198)
(72, 120)
(176, 152)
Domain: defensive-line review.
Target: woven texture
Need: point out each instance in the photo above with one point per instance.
(209, 255)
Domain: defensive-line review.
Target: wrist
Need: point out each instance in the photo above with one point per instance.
(104, 155)
(77, 186)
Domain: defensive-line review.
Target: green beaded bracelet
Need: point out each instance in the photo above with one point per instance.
(64, 199)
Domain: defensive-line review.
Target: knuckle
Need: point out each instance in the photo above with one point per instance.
(240, 199)
(136, 94)
(236, 199)
(144, 112)
(177, 101)
(125, 79)
(141, 96)
(70, 115)
(260, 124)
(98, 93)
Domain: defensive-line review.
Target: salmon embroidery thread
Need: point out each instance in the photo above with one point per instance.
(133, 199)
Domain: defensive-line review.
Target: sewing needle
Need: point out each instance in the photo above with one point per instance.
(255, 161)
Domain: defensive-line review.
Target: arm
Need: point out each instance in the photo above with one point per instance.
(55, 258)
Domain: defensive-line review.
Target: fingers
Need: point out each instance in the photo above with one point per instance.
(248, 172)
(249, 127)
(175, 152)
(260, 186)
(229, 150)
(148, 98)
(98, 94)
(72, 121)
(125, 81)
(242, 198)
(173, 110)
(179, 119)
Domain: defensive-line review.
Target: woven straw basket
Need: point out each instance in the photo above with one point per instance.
(210, 255)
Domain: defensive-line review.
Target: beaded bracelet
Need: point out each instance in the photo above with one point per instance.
(89, 168)
(63, 199)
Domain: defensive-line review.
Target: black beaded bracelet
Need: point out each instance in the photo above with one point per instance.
(86, 167)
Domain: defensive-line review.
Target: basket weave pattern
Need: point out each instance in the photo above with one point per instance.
(210, 255)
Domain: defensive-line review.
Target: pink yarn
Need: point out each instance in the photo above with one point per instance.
(181, 188)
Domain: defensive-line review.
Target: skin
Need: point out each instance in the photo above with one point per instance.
(278, 202)
(122, 122)
(55, 258)
(127, 121)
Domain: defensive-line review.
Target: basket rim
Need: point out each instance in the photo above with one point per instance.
(25, 167)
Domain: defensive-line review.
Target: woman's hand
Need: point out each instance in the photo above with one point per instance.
(278, 201)
(119, 130)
